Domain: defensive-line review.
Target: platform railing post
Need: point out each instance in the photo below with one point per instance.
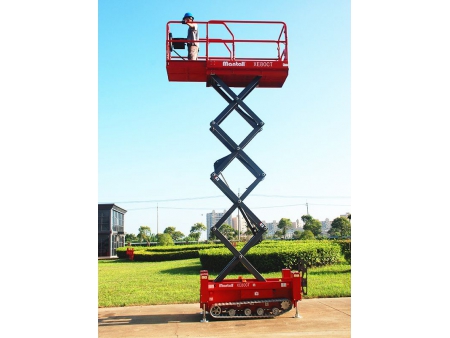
(204, 320)
(297, 315)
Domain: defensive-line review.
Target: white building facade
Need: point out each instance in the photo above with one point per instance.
(212, 218)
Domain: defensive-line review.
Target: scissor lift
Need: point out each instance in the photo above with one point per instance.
(242, 297)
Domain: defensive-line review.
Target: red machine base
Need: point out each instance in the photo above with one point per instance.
(250, 298)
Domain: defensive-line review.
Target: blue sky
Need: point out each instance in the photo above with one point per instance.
(154, 142)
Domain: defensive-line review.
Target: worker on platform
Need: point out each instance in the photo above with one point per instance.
(192, 34)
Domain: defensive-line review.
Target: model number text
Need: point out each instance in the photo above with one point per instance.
(263, 64)
(243, 285)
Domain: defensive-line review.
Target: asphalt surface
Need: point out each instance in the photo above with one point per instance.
(321, 317)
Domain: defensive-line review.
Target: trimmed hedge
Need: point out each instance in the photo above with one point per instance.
(166, 253)
(276, 256)
(147, 256)
(346, 249)
(268, 256)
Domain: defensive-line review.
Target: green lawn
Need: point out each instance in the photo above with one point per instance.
(126, 283)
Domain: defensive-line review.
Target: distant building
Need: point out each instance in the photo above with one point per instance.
(289, 233)
(111, 229)
(297, 225)
(213, 217)
(326, 225)
(243, 225)
(272, 227)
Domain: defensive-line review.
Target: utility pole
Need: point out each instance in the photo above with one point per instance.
(239, 220)
(307, 211)
(157, 219)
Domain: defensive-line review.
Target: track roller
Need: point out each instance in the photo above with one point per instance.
(216, 310)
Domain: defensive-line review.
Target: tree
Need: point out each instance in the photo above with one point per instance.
(284, 225)
(340, 227)
(297, 234)
(131, 238)
(195, 236)
(249, 233)
(278, 234)
(228, 231)
(175, 234)
(145, 234)
(196, 231)
(212, 236)
(307, 234)
(164, 239)
(190, 239)
(312, 224)
(169, 230)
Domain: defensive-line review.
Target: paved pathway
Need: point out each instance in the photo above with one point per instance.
(321, 317)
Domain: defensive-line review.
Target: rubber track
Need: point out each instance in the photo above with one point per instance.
(226, 315)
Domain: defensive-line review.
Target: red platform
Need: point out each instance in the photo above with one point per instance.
(234, 70)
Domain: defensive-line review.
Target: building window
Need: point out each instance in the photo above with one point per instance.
(103, 220)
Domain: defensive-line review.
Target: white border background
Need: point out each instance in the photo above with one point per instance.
(400, 167)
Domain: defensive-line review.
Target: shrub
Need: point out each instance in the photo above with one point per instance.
(148, 256)
(268, 256)
(274, 257)
(187, 249)
(165, 240)
(346, 249)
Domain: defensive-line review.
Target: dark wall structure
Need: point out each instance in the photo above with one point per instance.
(111, 229)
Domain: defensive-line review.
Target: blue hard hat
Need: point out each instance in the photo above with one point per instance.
(188, 15)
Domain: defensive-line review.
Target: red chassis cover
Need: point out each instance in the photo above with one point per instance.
(244, 289)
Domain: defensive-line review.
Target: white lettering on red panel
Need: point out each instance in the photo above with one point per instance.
(233, 64)
(262, 63)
